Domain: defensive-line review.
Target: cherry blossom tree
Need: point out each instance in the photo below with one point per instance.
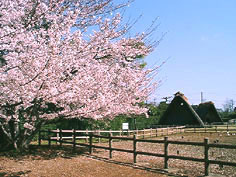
(66, 58)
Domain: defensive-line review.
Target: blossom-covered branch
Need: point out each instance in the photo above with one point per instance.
(54, 66)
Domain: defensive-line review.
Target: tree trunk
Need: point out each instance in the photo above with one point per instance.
(12, 137)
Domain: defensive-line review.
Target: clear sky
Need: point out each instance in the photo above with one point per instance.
(199, 47)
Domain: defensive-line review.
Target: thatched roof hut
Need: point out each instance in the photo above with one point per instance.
(208, 113)
(180, 112)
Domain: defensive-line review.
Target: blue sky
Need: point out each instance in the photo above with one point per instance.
(199, 47)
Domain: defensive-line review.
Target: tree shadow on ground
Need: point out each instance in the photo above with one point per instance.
(14, 174)
(45, 152)
(134, 166)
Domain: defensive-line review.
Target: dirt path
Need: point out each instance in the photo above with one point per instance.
(62, 162)
(55, 161)
(82, 166)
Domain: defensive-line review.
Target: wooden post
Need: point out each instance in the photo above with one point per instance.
(86, 138)
(99, 133)
(143, 133)
(166, 152)
(156, 132)
(49, 138)
(58, 137)
(151, 132)
(90, 143)
(60, 134)
(74, 139)
(167, 131)
(216, 128)
(39, 138)
(134, 148)
(128, 133)
(206, 141)
(227, 127)
(110, 150)
(205, 129)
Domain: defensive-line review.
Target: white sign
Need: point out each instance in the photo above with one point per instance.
(125, 126)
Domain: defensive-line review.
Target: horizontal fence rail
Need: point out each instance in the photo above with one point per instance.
(228, 128)
(119, 133)
(90, 144)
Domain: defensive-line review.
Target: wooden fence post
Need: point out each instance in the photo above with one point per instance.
(227, 126)
(134, 148)
(151, 132)
(86, 139)
(216, 128)
(74, 139)
(166, 152)
(156, 132)
(90, 143)
(206, 147)
(99, 133)
(39, 138)
(110, 150)
(143, 133)
(49, 138)
(60, 134)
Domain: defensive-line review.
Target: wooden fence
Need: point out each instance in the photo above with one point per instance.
(134, 151)
(121, 133)
(230, 129)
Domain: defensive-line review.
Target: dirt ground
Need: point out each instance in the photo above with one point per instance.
(55, 161)
(58, 162)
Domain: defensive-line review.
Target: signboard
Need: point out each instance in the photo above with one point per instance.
(125, 126)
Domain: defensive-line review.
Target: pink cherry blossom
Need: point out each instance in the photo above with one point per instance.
(52, 55)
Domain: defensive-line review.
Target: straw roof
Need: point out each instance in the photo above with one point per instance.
(180, 112)
(208, 112)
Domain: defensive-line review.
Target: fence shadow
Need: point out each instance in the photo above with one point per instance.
(44, 152)
(16, 174)
(132, 165)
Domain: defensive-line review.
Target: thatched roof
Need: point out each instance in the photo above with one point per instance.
(208, 112)
(180, 112)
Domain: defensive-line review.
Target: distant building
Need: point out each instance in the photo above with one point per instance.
(208, 113)
(180, 112)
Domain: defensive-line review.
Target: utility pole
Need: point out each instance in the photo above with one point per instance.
(166, 98)
(201, 97)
